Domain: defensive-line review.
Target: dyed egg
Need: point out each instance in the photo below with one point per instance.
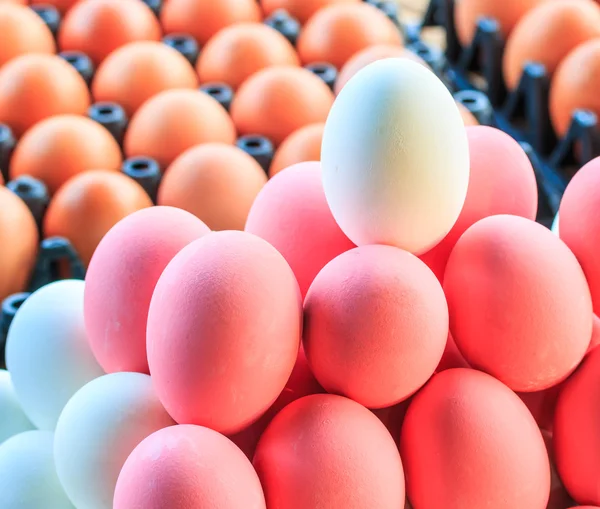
(88, 205)
(301, 146)
(395, 157)
(28, 477)
(63, 146)
(23, 31)
(452, 358)
(19, 241)
(336, 447)
(595, 334)
(98, 27)
(277, 101)
(204, 18)
(548, 33)
(14, 420)
(468, 441)
(579, 226)
(337, 32)
(188, 467)
(393, 418)
(139, 70)
(302, 10)
(62, 5)
(369, 55)
(119, 288)
(98, 429)
(542, 405)
(223, 331)
(291, 213)
(379, 313)
(559, 498)
(237, 52)
(501, 181)
(520, 308)
(37, 86)
(507, 13)
(216, 182)
(47, 353)
(174, 121)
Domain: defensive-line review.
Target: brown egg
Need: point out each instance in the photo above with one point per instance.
(239, 51)
(139, 70)
(368, 56)
(576, 85)
(19, 241)
(90, 204)
(175, 120)
(23, 31)
(63, 146)
(337, 32)
(548, 33)
(277, 101)
(98, 27)
(36, 86)
(216, 182)
(301, 146)
(62, 5)
(302, 10)
(468, 117)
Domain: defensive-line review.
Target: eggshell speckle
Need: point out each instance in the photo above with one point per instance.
(14, 420)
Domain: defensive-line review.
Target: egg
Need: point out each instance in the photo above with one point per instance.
(468, 117)
(98, 27)
(559, 498)
(176, 120)
(119, 288)
(302, 10)
(223, 331)
(28, 477)
(542, 405)
(188, 467)
(218, 183)
(14, 420)
(47, 353)
(395, 157)
(547, 34)
(98, 429)
(62, 5)
(291, 213)
(451, 358)
(300, 146)
(62, 146)
(520, 307)
(329, 451)
(468, 441)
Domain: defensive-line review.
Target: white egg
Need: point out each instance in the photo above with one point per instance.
(554, 227)
(47, 353)
(97, 430)
(12, 418)
(28, 477)
(395, 157)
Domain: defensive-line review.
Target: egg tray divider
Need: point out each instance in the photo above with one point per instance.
(470, 72)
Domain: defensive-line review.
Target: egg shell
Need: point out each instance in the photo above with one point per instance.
(379, 313)
(501, 181)
(292, 214)
(301, 146)
(559, 498)
(119, 288)
(14, 420)
(336, 447)
(28, 477)
(47, 353)
(395, 157)
(542, 405)
(452, 358)
(188, 467)
(520, 308)
(223, 331)
(393, 418)
(468, 441)
(98, 429)
(302, 10)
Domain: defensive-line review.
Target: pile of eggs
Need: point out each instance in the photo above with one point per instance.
(379, 324)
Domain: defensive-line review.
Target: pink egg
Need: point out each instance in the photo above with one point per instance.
(188, 467)
(223, 331)
(121, 278)
(376, 325)
(291, 213)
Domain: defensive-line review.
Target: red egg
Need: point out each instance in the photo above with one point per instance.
(292, 214)
(188, 467)
(378, 313)
(223, 331)
(519, 304)
(469, 442)
(579, 224)
(559, 498)
(501, 181)
(393, 418)
(328, 451)
(595, 334)
(121, 278)
(452, 357)
(542, 405)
